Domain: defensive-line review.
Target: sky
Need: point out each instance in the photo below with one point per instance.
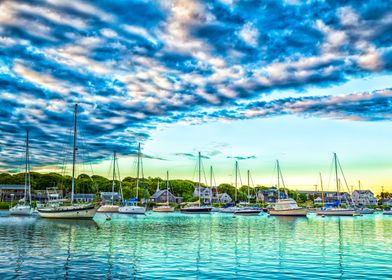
(253, 81)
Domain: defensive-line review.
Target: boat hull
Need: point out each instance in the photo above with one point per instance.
(389, 212)
(338, 213)
(136, 210)
(21, 210)
(82, 212)
(300, 212)
(196, 210)
(108, 209)
(230, 210)
(247, 213)
(163, 209)
(365, 211)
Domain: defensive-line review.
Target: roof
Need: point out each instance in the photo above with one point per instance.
(11, 187)
(363, 191)
(160, 192)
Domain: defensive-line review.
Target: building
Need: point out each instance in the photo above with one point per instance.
(161, 196)
(10, 193)
(223, 198)
(329, 197)
(364, 197)
(106, 197)
(269, 195)
(386, 202)
(211, 195)
(318, 200)
(83, 197)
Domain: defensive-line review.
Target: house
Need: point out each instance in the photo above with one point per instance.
(107, 197)
(223, 198)
(385, 202)
(329, 196)
(318, 200)
(269, 195)
(83, 197)
(364, 197)
(210, 195)
(10, 193)
(161, 196)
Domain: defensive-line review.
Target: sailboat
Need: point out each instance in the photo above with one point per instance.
(335, 210)
(131, 207)
(23, 208)
(74, 211)
(166, 207)
(286, 206)
(234, 208)
(248, 210)
(112, 208)
(194, 209)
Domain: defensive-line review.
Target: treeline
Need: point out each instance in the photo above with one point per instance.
(95, 184)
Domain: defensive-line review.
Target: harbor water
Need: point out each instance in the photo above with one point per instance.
(180, 246)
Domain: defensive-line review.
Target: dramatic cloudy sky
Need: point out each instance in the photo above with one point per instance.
(252, 80)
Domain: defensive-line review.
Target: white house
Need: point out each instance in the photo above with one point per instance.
(318, 200)
(209, 195)
(363, 197)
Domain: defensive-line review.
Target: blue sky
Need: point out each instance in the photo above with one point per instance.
(258, 80)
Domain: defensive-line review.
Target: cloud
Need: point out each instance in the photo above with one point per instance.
(241, 157)
(134, 66)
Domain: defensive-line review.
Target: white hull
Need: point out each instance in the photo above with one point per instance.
(69, 212)
(21, 210)
(163, 209)
(337, 212)
(230, 209)
(108, 209)
(289, 212)
(132, 210)
(387, 212)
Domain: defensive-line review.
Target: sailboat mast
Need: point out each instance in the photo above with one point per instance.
(199, 177)
(167, 187)
(210, 184)
(236, 178)
(138, 172)
(336, 176)
(248, 188)
(74, 152)
(278, 169)
(322, 189)
(114, 174)
(27, 167)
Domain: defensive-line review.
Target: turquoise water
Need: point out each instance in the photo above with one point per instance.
(179, 246)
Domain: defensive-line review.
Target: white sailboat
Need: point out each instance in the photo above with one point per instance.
(286, 206)
(234, 208)
(248, 210)
(112, 208)
(23, 208)
(336, 210)
(132, 207)
(165, 208)
(197, 209)
(74, 211)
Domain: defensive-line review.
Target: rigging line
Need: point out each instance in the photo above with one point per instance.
(204, 173)
(330, 175)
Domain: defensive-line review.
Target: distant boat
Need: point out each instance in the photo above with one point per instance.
(365, 210)
(287, 206)
(131, 207)
(74, 211)
(197, 209)
(387, 212)
(165, 208)
(335, 210)
(248, 211)
(112, 208)
(23, 208)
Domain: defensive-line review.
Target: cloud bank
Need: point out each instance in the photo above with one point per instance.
(135, 65)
